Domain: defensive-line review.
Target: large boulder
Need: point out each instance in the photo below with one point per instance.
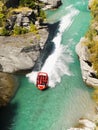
(88, 73)
(52, 3)
(21, 52)
(8, 87)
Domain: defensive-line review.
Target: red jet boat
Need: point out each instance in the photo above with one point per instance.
(42, 81)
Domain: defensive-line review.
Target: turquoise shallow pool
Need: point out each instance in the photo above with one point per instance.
(60, 107)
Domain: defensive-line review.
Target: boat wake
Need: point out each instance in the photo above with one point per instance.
(57, 63)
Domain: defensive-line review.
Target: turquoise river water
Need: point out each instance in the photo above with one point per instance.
(68, 99)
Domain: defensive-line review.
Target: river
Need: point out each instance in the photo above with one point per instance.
(68, 98)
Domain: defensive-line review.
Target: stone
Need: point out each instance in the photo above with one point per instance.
(88, 73)
(13, 59)
(25, 21)
(52, 3)
(21, 52)
(8, 87)
(86, 125)
(19, 19)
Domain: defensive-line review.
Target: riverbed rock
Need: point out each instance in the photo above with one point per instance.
(88, 73)
(85, 124)
(21, 52)
(8, 87)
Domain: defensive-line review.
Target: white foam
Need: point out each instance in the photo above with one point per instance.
(57, 64)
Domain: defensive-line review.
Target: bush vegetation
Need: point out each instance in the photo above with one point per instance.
(33, 29)
(92, 36)
(94, 8)
(19, 30)
(6, 12)
(34, 4)
(28, 3)
(95, 95)
(2, 14)
(4, 32)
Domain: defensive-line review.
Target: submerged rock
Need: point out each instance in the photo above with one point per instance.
(8, 87)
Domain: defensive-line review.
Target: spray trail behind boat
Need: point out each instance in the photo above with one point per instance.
(57, 64)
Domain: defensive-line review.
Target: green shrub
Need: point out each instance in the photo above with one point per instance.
(91, 33)
(1, 19)
(33, 29)
(6, 13)
(24, 30)
(94, 5)
(1, 15)
(28, 3)
(94, 8)
(4, 32)
(19, 30)
(42, 14)
(95, 95)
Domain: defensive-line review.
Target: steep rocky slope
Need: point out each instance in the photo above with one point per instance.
(20, 52)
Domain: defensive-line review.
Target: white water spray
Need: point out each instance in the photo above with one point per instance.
(57, 64)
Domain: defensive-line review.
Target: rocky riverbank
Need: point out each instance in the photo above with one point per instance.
(87, 48)
(88, 73)
(20, 52)
(87, 51)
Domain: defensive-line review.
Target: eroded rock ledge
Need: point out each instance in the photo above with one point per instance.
(88, 73)
(21, 52)
(17, 53)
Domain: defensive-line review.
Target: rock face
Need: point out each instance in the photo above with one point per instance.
(17, 53)
(88, 73)
(21, 17)
(8, 87)
(21, 52)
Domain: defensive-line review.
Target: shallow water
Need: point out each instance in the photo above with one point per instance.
(60, 107)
